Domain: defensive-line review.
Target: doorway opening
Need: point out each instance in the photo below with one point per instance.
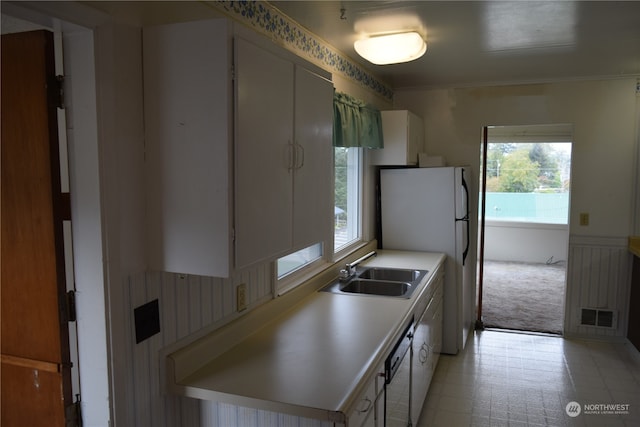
(524, 227)
(83, 244)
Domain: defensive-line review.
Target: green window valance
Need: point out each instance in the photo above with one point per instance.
(355, 124)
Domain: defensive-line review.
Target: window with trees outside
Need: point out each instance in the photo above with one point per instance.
(348, 190)
(528, 182)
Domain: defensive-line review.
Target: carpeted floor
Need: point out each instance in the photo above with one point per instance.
(522, 296)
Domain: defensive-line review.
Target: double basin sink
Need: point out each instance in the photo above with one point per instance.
(390, 282)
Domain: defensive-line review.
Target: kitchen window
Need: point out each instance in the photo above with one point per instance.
(348, 197)
(293, 269)
(298, 260)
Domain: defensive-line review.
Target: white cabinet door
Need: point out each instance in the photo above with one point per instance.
(369, 406)
(264, 154)
(435, 328)
(421, 367)
(313, 179)
(403, 137)
(187, 97)
(415, 138)
(283, 165)
(427, 343)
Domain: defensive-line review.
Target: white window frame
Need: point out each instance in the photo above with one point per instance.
(355, 203)
(297, 276)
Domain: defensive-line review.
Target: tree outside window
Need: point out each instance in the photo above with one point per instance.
(528, 182)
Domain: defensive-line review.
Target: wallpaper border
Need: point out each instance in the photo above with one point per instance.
(269, 21)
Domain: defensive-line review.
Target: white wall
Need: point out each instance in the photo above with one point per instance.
(525, 241)
(87, 226)
(604, 118)
(121, 152)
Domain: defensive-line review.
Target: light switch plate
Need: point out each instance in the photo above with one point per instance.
(584, 219)
(241, 297)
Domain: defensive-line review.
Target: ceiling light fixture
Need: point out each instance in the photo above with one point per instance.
(391, 48)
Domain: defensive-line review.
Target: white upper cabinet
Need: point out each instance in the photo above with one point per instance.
(264, 153)
(313, 180)
(403, 136)
(188, 123)
(283, 176)
(245, 157)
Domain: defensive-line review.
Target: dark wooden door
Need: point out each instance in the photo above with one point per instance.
(36, 379)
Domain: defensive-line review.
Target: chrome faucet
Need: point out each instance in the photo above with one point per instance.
(350, 268)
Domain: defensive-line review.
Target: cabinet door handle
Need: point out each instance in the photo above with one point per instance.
(424, 353)
(366, 405)
(289, 156)
(299, 156)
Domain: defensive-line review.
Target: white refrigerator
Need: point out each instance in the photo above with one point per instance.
(427, 209)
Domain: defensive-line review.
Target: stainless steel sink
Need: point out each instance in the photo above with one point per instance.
(376, 287)
(389, 282)
(391, 274)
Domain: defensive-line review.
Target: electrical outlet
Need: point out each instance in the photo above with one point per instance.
(241, 297)
(584, 219)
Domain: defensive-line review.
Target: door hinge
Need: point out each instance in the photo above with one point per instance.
(71, 306)
(60, 92)
(73, 413)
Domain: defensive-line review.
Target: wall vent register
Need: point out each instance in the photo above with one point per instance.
(596, 317)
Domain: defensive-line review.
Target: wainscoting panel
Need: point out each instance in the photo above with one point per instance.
(598, 277)
(187, 304)
(222, 414)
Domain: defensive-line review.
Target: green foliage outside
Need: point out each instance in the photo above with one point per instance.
(525, 168)
(340, 170)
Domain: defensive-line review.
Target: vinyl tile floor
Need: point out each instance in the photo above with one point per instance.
(517, 379)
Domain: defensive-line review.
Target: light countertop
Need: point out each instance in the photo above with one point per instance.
(316, 356)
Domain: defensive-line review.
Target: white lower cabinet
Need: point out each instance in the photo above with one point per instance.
(427, 343)
(368, 406)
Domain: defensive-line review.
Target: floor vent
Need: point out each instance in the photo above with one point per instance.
(597, 317)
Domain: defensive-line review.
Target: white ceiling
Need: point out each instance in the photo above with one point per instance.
(469, 42)
(487, 42)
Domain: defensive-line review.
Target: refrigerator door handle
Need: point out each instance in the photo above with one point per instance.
(466, 199)
(466, 250)
(466, 195)
(465, 218)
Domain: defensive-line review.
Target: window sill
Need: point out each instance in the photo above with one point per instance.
(350, 249)
(298, 278)
(315, 270)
